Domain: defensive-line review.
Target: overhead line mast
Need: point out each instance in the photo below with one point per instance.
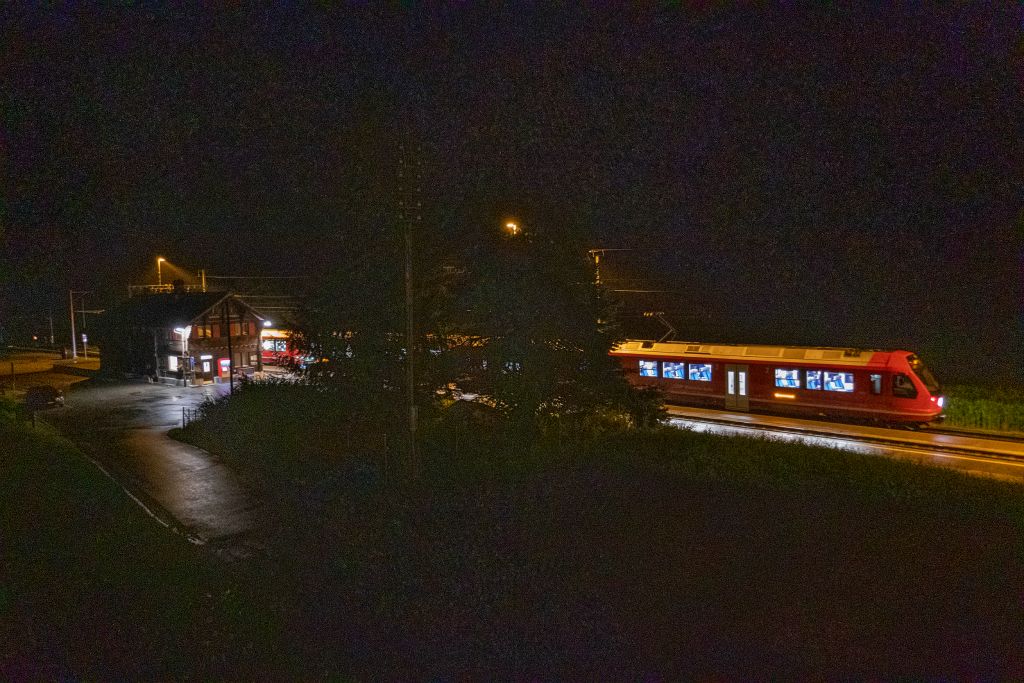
(409, 213)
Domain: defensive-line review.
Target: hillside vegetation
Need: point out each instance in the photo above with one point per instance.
(623, 553)
(987, 409)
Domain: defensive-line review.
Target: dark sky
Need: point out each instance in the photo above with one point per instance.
(818, 176)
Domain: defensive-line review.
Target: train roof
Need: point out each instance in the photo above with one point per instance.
(816, 354)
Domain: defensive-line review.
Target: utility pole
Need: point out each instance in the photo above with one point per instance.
(74, 344)
(51, 328)
(85, 339)
(226, 315)
(409, 210)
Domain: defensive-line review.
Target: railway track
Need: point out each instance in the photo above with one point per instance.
(927, 442)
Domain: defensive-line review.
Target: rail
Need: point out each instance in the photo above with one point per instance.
(911, 442)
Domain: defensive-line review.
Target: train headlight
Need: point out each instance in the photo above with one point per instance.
(941, 401)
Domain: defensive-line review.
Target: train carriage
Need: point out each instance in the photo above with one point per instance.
(885, 386)
(276, 347)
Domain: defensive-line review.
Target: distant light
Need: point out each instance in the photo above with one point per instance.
(781, 395)
(184, 330)
(266, 323)
(161, 260)
(512, 227)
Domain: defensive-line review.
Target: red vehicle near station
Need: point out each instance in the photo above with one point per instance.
(882, 386)
(276, 347)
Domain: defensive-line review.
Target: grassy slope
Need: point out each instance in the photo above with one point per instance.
(665, 553)
(92, 587)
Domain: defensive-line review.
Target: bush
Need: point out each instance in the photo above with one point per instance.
(991, 409)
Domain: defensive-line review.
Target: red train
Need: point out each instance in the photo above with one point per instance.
(883, 386)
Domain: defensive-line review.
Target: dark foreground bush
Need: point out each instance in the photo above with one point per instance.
(93, 588)
(658, 554)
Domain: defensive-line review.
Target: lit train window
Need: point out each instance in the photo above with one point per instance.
(814, 379)
(700, 372)
(673, 370)
(839, 381)
(876, 384)
(648, 368)
(789, 379)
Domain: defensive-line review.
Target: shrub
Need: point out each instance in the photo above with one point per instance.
(980, 408)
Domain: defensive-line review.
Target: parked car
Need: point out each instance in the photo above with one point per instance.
(37, 398)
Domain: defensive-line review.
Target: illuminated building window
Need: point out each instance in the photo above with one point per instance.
(839, 381)
(648, 368)
(673, 370)
(814, 379)
(700, 372)
(789, 379)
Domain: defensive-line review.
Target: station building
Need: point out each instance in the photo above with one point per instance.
(184, 336)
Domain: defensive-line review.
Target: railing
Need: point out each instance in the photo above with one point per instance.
(136, 290)
(188, 415)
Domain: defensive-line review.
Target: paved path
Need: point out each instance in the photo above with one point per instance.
(124, 428)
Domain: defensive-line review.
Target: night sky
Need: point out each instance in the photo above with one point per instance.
(825, 176)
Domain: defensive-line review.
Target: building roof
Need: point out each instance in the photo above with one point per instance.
(176, 309)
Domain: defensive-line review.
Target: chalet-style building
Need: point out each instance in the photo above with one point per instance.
(194, 337)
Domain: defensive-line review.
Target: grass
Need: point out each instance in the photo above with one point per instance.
(987, 409)
(93, 588)
(660, 554)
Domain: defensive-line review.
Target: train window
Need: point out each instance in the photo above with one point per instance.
(700, 372)
(876, 384)
(814, 379)
(787, 378)
(268, 344)
(924, 374)
(903, 386)
(839, 381)
(648, 368)
(673, 370)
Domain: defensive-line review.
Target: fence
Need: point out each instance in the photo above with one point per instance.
(188, 415)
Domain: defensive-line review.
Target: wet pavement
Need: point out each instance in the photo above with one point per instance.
(124, 428)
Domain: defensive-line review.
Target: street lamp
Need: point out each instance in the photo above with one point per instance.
(184, 332)
(159, 274)
(513, 228)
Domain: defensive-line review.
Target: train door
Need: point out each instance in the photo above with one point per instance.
(736, 397)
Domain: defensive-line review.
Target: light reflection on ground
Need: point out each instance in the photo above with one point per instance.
(977, 465)
(788, 437)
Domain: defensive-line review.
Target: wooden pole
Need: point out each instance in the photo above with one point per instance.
(231, 356)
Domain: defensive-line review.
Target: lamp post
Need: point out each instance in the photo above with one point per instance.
(184, 332)
(512, 228)
(71, 305)
(159, 273)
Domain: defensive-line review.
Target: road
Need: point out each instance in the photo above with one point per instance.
(965, 453)
(124, 428)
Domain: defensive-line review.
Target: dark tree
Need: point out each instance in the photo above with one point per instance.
(538, 329)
